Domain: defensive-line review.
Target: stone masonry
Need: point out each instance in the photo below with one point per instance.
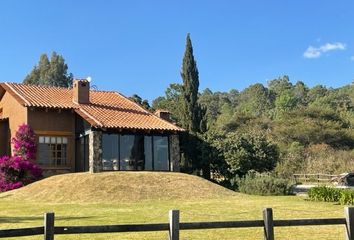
(95, 151)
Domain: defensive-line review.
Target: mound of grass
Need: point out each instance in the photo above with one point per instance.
(115, 187)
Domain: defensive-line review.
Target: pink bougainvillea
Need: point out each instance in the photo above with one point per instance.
(25, 143)
(20, 169)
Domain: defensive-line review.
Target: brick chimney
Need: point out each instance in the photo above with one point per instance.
(166, 115)
(81, 91)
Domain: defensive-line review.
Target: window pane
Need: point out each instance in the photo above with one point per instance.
(126, 147)
(132, 152)
(148, 152)
(161, 160)
(137, 153)
(44, 154)
(51, 152)
(64, 155)
(110, 151)
(65, 140)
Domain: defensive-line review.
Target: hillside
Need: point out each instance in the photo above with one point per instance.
(116, 187)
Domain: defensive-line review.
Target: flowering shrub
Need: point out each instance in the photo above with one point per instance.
(20, 169)
(16, 172)
(25, 143)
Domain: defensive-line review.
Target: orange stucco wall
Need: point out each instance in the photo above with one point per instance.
(45, 122)
(13, 110)
(54, 122)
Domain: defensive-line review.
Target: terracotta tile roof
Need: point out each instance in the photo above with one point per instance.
(106, 109)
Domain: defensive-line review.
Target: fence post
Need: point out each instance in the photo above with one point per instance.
(174, 225)
(49, 226)
(349, 217)
(268, 224)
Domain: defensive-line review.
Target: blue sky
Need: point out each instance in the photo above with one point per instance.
(137, 46)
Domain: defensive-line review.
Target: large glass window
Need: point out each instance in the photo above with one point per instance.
(126, 146)
(110, 153)
(161, 153)
(131, 152)
(82, 152)
(52, 151)
(148, 153)
(135, 152)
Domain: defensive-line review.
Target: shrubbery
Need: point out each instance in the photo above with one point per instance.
(263, 184)
(20, 169)
(16, 172)
(331, 194)
(25, 143)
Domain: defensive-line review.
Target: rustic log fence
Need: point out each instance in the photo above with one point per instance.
(49, 230)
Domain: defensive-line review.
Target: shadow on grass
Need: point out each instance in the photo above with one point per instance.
(36, 218)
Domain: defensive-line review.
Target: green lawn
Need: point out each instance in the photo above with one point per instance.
(16, 213)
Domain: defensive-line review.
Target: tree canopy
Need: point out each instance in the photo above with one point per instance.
(53, 72)
(283, 127)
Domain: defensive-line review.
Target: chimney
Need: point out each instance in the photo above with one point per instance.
(166, 115)
(81, 91)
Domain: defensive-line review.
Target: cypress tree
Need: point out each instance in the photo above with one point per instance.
(193, 116)
(190, 76)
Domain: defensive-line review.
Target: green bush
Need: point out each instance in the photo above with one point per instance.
(263, 184)
(330, 194)
(324, 194)
(346, 197)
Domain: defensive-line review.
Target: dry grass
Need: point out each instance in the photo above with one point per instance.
(111, 187)
(123, 201)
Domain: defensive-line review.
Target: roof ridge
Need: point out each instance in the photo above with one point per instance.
(56, 87)
(95, 90)
(39, 86)
(161, 119)
(17, 94)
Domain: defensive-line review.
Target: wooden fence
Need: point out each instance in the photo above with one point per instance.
(49, 230)
(313, 178)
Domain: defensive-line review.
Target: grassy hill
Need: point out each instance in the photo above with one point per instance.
(110, 187)
(146, 197)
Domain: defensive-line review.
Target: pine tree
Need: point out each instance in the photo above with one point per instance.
(50, 73)
(190, 78)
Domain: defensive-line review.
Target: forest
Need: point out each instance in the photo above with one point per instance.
(283, 127)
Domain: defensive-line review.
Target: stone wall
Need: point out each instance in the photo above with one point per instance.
(174, 153)
(95, 151)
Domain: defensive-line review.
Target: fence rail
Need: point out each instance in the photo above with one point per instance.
(49, 230)
(313, 177)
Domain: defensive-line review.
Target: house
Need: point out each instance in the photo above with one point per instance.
(78, 129)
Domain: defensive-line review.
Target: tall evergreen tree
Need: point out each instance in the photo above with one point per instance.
(50, 73)
(193, 116)
(190, 78)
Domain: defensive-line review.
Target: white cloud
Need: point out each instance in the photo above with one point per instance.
(352, 58)
(316, 52)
